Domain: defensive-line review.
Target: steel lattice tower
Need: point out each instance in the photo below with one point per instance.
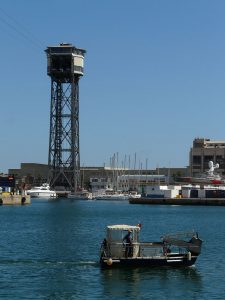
(65, 67)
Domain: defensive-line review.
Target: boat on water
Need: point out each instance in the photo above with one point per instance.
(81, 195)
(110, 194)
(42, 191)
(134, 194)
(116, 196)
(122, 248)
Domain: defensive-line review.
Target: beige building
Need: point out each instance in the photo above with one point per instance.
(203, 151)
(31, 173)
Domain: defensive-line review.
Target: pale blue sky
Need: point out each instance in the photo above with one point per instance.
(154, 77)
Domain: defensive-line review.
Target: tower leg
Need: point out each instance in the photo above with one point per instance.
(64, 149)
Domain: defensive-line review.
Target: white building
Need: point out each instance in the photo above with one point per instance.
(140, 182)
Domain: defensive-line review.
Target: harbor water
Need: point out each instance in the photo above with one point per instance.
(50, 250)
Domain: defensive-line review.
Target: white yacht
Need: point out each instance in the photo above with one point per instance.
(42, 191)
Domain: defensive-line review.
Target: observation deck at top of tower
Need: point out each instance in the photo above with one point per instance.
(65, 61)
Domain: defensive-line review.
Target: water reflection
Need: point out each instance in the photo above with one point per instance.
(58, 249)
(167, 283)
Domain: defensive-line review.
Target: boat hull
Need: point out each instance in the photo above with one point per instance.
(179, 261)
(42, 195)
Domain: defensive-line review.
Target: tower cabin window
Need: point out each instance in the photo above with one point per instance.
(61, 63)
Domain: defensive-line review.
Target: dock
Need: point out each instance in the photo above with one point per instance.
(179, 201)
(62, 194)
(14, 199)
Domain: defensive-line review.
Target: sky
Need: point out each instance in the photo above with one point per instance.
(154, 78)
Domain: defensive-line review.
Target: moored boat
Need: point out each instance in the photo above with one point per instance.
(134, 195)
(116, 195)
(42, 191)
(81, 195)
(122, 248)
(110, 194)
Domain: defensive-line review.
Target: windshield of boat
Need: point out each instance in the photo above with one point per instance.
(117, 235)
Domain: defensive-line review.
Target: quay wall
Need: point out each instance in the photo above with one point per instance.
(179, 201)
(14, 199)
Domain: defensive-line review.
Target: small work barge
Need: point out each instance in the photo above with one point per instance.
(122, 248)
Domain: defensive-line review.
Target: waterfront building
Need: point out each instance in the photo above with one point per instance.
(101, 178)
(100, 185)
(140, 182)
(124, 179)
(205, 150)
(7, 183)
(31, 173)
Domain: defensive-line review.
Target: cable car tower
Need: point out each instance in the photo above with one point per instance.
(65, 67)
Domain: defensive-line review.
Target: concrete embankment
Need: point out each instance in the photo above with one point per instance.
(179, 201)
(14, 199)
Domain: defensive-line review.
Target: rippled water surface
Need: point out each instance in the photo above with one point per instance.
(50, 250)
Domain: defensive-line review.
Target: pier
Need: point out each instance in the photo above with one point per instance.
(62, 194)
(179, 201)
(14, 199)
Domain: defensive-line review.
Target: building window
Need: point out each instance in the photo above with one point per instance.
(207, 158)
(219, 158)
(196, 167)
(94, 180)
(197, 160)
